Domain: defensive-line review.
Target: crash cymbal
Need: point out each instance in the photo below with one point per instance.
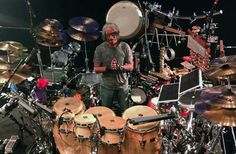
(51, 25)
(84, 24)
(50, 42)
(10, 46)
(222, 68)
(17, 77)
(73, 105)
(217, 115)
(219, 96)
(81, 36)
(14, 56)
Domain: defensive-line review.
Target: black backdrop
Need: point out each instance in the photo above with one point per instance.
(14, 17)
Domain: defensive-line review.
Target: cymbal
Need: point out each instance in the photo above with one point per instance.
(51, 35)
(217, 115)
(51, 25)
(81, 36)
(13, 56)
(17, 77)
(222, 68)
(4, 67)
(50, 42)
(219, 96)
(84, 24)
(10, 46)
(74, 105)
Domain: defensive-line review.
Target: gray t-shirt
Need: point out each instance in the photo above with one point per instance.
(104, 55)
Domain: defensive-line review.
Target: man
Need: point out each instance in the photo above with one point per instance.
(113, 58)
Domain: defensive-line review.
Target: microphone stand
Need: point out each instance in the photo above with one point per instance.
(12, 74)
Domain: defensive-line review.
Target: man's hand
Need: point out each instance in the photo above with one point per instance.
(114, 64)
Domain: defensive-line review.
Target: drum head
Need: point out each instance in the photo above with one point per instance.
(128, 17)
(84, 119)
(140, 111)
(138, 96)
(100, 111)
(74, 105)
(112, 122)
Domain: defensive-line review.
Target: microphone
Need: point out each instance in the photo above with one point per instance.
(142, 120)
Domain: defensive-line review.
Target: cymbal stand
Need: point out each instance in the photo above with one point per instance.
(52, 66)
(211, 146)
(40, 62)
(86, 58)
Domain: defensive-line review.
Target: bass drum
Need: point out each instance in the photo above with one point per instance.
(128, 17)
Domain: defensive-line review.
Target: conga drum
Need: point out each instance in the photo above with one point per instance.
(100, 111)
(66, 109)
(143, 138)
(111, 134)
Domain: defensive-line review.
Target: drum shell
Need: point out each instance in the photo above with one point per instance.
(144, 137)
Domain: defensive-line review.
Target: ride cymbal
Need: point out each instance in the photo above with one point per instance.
(222, 68)
(84, 24)
(217, 115)
(81, 36)
(219, 96)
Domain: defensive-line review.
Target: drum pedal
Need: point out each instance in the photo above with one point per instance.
(10, 146)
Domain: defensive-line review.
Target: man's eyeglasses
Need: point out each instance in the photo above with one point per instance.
(113, 34)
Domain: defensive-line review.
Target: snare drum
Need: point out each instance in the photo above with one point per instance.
(141, 138)
(66, 109)
(128, 17)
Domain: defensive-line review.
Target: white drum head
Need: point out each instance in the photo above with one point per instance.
(128, 17)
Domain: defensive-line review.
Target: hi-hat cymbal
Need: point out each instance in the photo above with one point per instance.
(219, 96)
(84, 24)
(10, 46)
(17, 77)
(81, 36)
(222, 68)
(217, 115)
(51, 25)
